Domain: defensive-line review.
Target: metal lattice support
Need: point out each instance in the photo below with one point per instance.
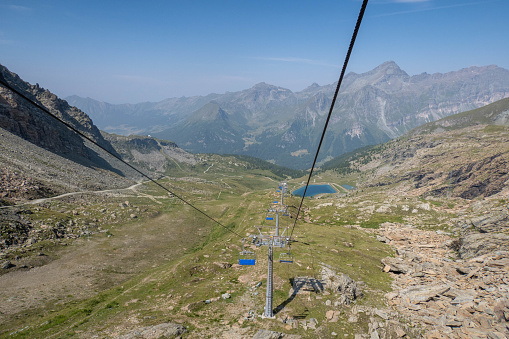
(270, 283)
(271, 236)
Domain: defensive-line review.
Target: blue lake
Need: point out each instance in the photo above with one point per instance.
(314, 190)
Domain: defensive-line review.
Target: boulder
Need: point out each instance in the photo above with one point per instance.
(423, 293)
(396, 265)
(477, 244)
(223, 265)
(502, 311)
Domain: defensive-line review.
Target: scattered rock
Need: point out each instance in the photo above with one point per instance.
(502, 310)
(164, 330)
(223, 265)
(461, 298)
(266, 334)
(400, 333)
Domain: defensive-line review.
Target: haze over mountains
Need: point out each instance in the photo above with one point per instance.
(281, 126)
(42, 157)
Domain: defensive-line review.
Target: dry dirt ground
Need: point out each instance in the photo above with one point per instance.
(92, 264)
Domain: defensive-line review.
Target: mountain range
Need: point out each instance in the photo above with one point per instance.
(42, 157)
(284, 127)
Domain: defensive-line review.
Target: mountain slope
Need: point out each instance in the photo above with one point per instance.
(208, 130)
(464, 155)
(22, 118)
(282, 126)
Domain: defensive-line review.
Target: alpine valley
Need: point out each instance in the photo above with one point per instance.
(283, 127)
(413, 243)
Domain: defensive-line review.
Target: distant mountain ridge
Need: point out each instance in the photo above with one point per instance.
(281, 126)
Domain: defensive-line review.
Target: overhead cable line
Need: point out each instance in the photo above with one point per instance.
(4, 83)
(347, 58)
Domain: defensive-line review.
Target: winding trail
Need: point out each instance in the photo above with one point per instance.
(208, 168)
(39, 201)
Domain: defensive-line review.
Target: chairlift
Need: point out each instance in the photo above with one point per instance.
(270, 216)
(286, 258)
(246, 257)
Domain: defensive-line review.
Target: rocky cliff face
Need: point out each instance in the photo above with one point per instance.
(40, 156)
(32, 124)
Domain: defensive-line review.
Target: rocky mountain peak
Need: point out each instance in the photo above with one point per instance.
(311, 88)
(390, 67)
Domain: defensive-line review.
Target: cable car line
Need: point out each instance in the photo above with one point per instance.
(245, 257)
(347, 58)
(4, 83)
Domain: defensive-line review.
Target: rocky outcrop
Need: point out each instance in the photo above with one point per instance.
(473, 245)
(485, 229)
(31, 123)
(483, 178)
(164, 330)
(340, 284)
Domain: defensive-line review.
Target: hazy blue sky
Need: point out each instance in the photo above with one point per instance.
(133, 51)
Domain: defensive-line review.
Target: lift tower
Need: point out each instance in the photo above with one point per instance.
(271, 236)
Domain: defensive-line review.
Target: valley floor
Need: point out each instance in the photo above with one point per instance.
(143, 265)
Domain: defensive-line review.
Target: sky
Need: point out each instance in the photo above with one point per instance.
(134, 51)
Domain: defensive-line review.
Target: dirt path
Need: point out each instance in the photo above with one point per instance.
(39, 201)
(208, 168)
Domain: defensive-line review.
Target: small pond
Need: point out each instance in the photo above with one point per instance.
(348, 187)
(314, 190)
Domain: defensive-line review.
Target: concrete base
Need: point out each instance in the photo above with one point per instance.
(263, 316)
